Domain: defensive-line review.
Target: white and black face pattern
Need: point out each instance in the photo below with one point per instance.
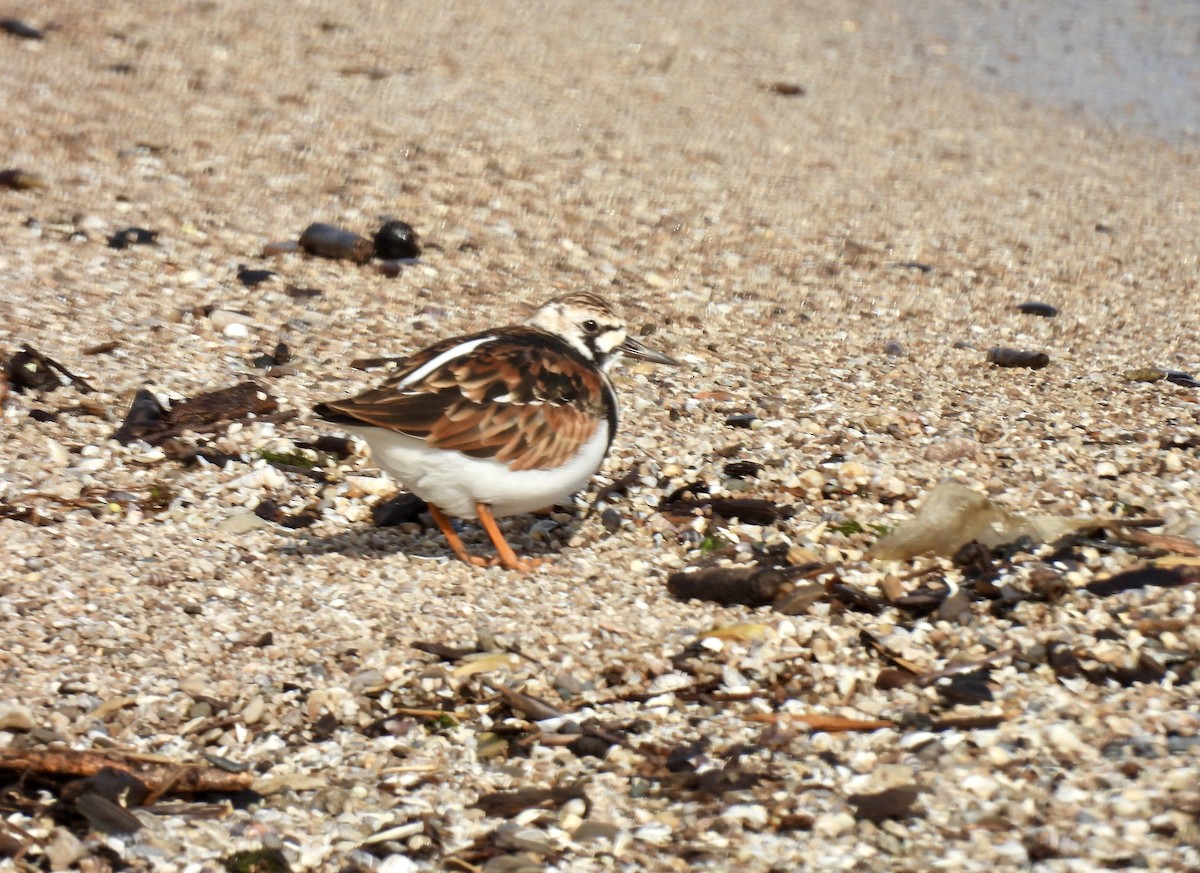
(587, 323)
(603, 339)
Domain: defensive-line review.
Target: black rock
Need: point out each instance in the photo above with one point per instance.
(250, 278)
(1003, 357)
(402, 508)
(1033, 307)
(396, 240)
(133, 236)
(18, 28)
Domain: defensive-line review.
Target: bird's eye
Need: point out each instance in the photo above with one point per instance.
(591, 327)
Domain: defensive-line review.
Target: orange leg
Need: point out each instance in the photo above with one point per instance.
(456, 544)
(508, 558)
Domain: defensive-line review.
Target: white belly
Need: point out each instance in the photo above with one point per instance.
(455, 482)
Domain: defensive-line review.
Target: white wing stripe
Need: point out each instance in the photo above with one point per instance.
(445, 357)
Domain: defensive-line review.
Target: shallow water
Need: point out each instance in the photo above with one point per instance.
(1133, 65)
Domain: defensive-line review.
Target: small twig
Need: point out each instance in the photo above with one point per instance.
(77, 381)
(191, 810)
(917, 574)
(154, 770)
(614, 487)
(168, 782)
(820, 722)
(459, 862)
(416, 712)
(872, 642)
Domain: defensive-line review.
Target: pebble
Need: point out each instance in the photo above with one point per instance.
(398, 864)
(751, 815)
(1062, 738)
(1107, 470)
(59, 454)
(834, 824)
(64, 850)
(984, 787)
(524, 839)
(812, 480)
(1034, 307)
(243, 522)
(1176, 744)
(254, 710)
(952, 449)
(655, 833)
(16, 717)
(852, 474)
(593, 830)
(396, 240)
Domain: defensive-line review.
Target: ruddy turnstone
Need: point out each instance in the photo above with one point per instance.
(500, 422)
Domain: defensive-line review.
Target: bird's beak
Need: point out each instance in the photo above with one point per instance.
(634, 349)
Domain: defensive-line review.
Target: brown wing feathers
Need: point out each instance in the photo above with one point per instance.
(552, 402)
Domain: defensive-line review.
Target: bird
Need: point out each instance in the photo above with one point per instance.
(502, 422)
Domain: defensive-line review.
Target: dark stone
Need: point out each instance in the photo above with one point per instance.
(396, 240)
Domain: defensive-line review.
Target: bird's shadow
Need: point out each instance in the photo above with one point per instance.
(381, 537)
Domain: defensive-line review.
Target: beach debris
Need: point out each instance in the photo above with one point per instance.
(1033, 307)
(396, 240)
(890, 803)
(279, 356)
(953, 515)
(1005, 357)
(160, 774)
(265, 860)
(207, 412)
(741, 419)
(1148, 576)
(743, 469)
(133, 236)
(18, 28)
(30, 370)
(251, 277)
(784, 89)
(280, 247)
(513, 802)
(269, 510)
(401, 508)
(750, 510)
(16, 179)
(745, 585)
(329, 241)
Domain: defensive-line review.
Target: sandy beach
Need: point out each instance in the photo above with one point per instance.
(826, 217)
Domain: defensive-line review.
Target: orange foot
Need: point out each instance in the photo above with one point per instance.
(518, 564)
(505, 558)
